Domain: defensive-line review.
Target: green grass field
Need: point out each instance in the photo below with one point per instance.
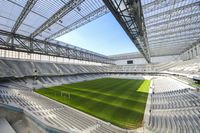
(118, 101)
(195, 84)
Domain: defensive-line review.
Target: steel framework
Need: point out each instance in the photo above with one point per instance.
(46, 20)
(90, 17)
(172, 25)
(31, 25)
(29, 5)
(130, 16)
(32, 45)
(58, 15)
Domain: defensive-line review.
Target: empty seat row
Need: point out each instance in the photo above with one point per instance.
(47, 109)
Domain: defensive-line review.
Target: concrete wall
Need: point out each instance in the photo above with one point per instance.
(159, 59)
(135, 61)
(18, 121)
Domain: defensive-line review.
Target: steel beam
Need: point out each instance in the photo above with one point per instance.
(58, 15)
(174, 31)
(174, 20)
(158, 4)
(27, 8)
(86, 19)
(174, 45)
(130, 16)
(32, 45)
(172, 27)
(165, 49)
(180, 40)
(163, 52)
(186, 35)
(159, 49)
(174, 10)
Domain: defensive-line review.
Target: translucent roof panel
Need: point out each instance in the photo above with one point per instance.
(4, 38)
(31, 22)
(25, 29)
(47, 7)
(171, 25)
(41, 19)
(6, 23)
(80, 12)
(9, 13)
(49, 31)
(40, 12)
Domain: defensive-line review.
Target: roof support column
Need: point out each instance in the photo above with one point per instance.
(194, 51)
(191, 54)
(198, 49)
(188, 55)
(185, 56)
(130, 16)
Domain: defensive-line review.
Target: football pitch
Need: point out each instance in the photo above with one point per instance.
(118, 101)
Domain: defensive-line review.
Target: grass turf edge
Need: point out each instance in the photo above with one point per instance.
(87, 112)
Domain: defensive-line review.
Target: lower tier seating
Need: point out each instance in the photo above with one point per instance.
(52, 112)
(171, 110)
(174, 111)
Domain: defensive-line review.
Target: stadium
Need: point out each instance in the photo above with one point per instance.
(53, 86)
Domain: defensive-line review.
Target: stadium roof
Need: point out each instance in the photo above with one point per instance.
(45, 20)
(171, 25)
(126, 56)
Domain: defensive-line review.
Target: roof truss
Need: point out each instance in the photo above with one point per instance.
(129, 15)
(172, 25)
(55, 17)
(90, 17)
(32, 45)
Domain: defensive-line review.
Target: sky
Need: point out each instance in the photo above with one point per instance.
(103, 35)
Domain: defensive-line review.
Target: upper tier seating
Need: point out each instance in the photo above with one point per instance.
(164, 66)
(22, 68)
(16, 68)
(25, 68)
(46, 81)
(190, 67)
(131, 68)
(183, 67)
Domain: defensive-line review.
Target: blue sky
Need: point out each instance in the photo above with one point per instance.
(103, 35)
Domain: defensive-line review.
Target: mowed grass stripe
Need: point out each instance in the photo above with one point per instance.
(119, 101)
(100, 95)
(103, 98)
(112, 91)
(94, 107)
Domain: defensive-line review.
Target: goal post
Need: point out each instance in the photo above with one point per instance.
(64, 93)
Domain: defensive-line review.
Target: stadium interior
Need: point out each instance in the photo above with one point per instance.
(49, 86)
